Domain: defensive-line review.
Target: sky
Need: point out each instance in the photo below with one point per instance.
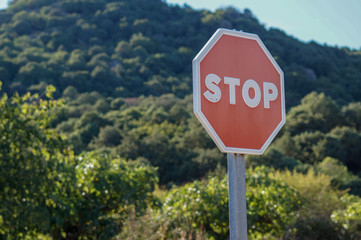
(3, 4)
(331, 22)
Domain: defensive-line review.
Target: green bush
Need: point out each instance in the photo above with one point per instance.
(349, 216)
(203, 206)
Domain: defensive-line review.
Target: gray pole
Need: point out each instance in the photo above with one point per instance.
(237, 196)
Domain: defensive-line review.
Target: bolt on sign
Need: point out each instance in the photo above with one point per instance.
(238, 92)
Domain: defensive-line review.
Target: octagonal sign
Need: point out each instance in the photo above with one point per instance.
(238, 92)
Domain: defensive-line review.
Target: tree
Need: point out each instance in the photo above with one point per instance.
(273, 158)
(30, 155)
(350, 141)
(77, 60)
(46, 189)
(109, 136)
(349, 216)
(316, 112)
(352, 114)
(335, 169)
(97, 195)
(70, 92)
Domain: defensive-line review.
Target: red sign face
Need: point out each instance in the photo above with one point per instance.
(238, 92)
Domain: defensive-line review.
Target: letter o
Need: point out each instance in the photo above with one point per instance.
(251, 102)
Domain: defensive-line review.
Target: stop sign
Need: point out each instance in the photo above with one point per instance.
(238, 92)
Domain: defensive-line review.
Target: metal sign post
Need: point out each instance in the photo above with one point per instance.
(237, 196)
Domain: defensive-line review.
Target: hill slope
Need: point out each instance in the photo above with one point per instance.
(136, 47)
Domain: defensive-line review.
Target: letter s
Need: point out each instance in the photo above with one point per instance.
(213, 94)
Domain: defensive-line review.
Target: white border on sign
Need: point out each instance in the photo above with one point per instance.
(197, 91)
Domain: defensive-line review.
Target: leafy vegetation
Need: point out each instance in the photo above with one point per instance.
(122, 50)
(113, 150)
(45, 188)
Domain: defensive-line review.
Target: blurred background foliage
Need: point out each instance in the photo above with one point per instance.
(99, 141)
